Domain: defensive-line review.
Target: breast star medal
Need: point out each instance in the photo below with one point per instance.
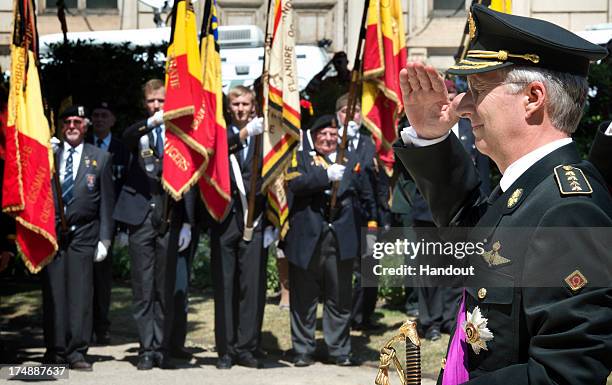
(476, 331)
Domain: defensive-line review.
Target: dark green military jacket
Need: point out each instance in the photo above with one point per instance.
(544, 289)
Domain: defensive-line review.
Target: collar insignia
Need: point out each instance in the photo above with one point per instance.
(514, 198)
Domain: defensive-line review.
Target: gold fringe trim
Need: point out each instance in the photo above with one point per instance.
(188, 140)
(35, 269)
(179, 113)
(177, 195)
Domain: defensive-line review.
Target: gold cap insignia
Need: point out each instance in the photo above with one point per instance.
(576, 280)
(514, 198)
(471, 26)
(492, 257)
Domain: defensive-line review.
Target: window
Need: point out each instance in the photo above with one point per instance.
(83, 4)
(53, 3)
(98, 4)
(449, 5)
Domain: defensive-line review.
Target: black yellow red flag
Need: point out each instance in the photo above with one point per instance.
(384, 56)
(215, 185)
(27, 192)
(187, 143)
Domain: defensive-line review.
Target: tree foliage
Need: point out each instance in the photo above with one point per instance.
(101, 72)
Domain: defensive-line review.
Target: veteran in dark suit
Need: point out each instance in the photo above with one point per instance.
(102, 121)
(537, 309)
(362, 146)
(322, 243)
(87, 199)
(239, 265)
(158, 227)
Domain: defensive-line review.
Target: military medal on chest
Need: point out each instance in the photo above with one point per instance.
(476, 330)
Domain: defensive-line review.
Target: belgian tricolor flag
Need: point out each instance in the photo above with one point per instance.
(27, 192)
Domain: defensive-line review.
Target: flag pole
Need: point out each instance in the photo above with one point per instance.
(352, 101)
(248, 227)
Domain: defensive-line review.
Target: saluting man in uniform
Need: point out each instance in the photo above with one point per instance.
(322, 243)
(528, 86)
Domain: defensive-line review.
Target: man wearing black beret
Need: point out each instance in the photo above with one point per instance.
(87, 200)
(537, 310)
(322, 242)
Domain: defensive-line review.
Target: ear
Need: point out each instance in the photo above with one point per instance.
(535, 99)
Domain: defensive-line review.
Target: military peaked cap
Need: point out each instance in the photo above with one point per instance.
(499, 40)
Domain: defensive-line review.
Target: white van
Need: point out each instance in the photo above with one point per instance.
(241, 48)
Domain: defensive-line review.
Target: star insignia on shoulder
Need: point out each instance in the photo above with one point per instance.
(492, 257)
(572, 181)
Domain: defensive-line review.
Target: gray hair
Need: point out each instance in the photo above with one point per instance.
(567, 93)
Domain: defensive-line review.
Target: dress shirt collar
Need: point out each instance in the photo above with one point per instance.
(78, 150)
(518, 168)
(105, 142)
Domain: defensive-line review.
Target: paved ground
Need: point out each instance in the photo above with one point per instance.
(116, 365)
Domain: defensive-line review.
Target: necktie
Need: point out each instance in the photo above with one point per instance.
(455, 370)
(68, 184)
(159, 142)
(99, 142)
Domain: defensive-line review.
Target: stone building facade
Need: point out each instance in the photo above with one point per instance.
(433, 27)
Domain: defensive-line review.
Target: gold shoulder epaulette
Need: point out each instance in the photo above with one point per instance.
(572, 181)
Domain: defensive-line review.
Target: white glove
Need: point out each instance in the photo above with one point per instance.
(55, 143)
(335, 172)
(255, 127)
(270, 235)
(608, 131)
(101, 252)
(156, 120)
(122, 239)
(184, 237)
(353, 129)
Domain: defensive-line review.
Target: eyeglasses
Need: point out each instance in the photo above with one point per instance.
(483, 88)
(76, 122)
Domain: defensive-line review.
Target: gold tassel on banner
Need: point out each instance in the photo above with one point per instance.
(388, 356)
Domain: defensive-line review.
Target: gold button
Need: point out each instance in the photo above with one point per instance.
(482, 292)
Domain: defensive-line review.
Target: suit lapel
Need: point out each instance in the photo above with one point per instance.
(81, 171)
